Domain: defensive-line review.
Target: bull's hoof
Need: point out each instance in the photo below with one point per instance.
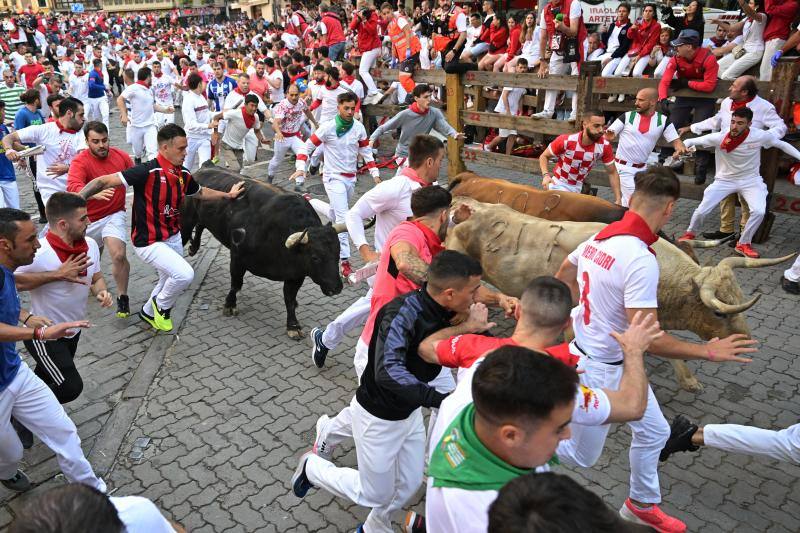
(690, 384)
(230, 311)
(192, 251)
(295, 334)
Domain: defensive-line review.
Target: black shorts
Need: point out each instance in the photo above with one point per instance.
(55, 365)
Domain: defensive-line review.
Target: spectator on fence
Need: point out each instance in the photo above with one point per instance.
(510, 103)
(616, 41)
(692, 17)
(781, 14)
(451, 37)
(529, 44)
(365, 23)
(498, 40)
(792, 44)
(719, 39)
(423, 25)
(474, 31)
(514, 47)
(644, 37)
(481, 44)
(661, 53)
(595, 48)
(732, 40)
(751, 49)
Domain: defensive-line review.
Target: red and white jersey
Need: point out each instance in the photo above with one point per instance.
(614, 274)
(162, 88)
(292, 116)
(575, 160)
(341, 151)
(639, 134)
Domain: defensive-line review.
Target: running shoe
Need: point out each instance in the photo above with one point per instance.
(346, 269)
(318, 350)
(321, 448)
(123, 306)
(747, 251)
(680, 438)
(688, 236)
(161, 317)
(792, 287)
(300, 483)
(653, 516)
(414, 523)
(18, 483)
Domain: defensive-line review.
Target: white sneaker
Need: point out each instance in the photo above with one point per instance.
(621, 98)
(543, 114)
(321, 448)
(572, 117)
(611, 98)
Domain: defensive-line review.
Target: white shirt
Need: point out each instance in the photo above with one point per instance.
(140, 515)
(472, 34)
(613, 39)
(764, 117)
(235, 128)
(59, 148)
(341, 153)
(753, 33)
(389, 202)
(634, 146)
(454, 510)
(67, 68)
(196, 115)
(141, 101)
(235, 100)
(275, 95)
(357, 87)
(18, 59)
(744, 161)
(515, 95)
(615, 274)
(162, 87)
(79, 86)
(61, 301)
(329, 107)
(291, 40)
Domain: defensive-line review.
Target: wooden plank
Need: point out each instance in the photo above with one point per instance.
(455, 96)
(433, 77)
(530, 81)
(499, 161)
(586, 97)
(522, 124)
(633, 85)
(380, 110)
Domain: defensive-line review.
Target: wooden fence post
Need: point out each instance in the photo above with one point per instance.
(586, 99)
(454, 90)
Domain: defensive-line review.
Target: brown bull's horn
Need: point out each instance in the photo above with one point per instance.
(696, 243)
(709, 298)
(300, 237)
(746, 262)
(340, 227)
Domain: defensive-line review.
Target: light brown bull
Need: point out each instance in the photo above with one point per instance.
(550, 205)
(514, 248)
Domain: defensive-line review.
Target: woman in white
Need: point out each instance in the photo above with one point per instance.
(661, 53)
(739, 60)
(529, 37)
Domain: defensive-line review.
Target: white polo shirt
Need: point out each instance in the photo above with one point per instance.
(236, 129)
(61, 301)
(141, 101)
(764, 117)
(638, 135)
(60, 147)
(614, 274)
(275, 95)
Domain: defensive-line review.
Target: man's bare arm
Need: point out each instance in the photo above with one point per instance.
(100, 184)
(409, 262)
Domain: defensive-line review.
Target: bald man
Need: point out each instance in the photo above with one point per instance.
(638, 132)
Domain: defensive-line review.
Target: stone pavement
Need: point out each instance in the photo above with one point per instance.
(235, 403)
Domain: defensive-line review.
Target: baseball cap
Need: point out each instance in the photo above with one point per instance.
(687, 37)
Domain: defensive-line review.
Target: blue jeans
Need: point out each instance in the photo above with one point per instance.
(336, 51)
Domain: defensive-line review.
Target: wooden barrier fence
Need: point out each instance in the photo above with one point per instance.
(592, 90)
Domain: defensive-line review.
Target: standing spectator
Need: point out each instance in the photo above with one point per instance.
(781, 14)
(696, 69)
(9, 196)
(424, 25)
(737, 63)
(365, 23)
(405, 46)
(692, 17)
(10, 93)
(330, 27)
(30, 70)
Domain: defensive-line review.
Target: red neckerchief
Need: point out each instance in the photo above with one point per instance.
(273, 69)
(644, 122)
(170, 169)
(238, 90)
(415, 108)
(349, 79)
(619, 24)
(729, 143)
(332, 87)
(432, 241)
(743, 103)
(158, 75)
(298, 76)
(631, 224)
(411, 174)
(719, 41)
(143, 84)
(62, 129)
(64, 250)
(249, 120)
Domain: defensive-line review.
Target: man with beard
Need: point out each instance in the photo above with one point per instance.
(61, 144)
(235, 100)
(638, 132)
(108, 223)
(162, 84)
(59, 280)
(576, 154)
(287, 121)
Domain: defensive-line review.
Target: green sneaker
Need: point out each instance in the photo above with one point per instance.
(161, 317)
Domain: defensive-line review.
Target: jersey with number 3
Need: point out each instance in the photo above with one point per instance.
(614, 274)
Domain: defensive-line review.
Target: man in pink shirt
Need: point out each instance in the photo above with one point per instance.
(259, 83)
(781, 14)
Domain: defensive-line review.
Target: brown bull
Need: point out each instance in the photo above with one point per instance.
(550, 205)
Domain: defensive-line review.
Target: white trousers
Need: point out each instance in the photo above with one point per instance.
(35, 406)
(611, 66)
(295, 144)
(391, 461)
(661, 67)
(98, 110)
(793, 273)
(9, 194)
(340, 189)
(649, 435)
(199, 150)
(754, 192)
(626, 183)
(560, 185)
(355, 315)
(783, 445)
(624, 67)
(162, 119)
(557, 68)
(174, 273)
(368, 60)
(250, 146)
(114, 226)
(731, 68)
(425, 53)
(143, 141)
(770, 47)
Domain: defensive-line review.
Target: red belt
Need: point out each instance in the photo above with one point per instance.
(295, 134)
(634, 165)
(346, 174)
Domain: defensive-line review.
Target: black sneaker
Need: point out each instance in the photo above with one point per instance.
(714, 235)
(414, 523)
(792, 287)
(270, 179)
(18, 483)
(42, 220)
(318, 350)
(700, 179)
(123, 306)
(680, 438)
(300, 482)
(313, 170)
(24, 434)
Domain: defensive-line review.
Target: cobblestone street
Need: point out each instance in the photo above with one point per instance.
(229, 403)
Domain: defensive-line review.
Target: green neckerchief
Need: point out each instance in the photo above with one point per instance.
(461, 461)
(342, 125)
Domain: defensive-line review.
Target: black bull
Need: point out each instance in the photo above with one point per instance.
(255, 228)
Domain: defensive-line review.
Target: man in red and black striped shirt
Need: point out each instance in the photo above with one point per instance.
(159, 186)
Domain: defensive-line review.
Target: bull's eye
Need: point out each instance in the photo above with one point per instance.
(720, 315)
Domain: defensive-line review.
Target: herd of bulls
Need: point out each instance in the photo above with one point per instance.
(517, 233)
